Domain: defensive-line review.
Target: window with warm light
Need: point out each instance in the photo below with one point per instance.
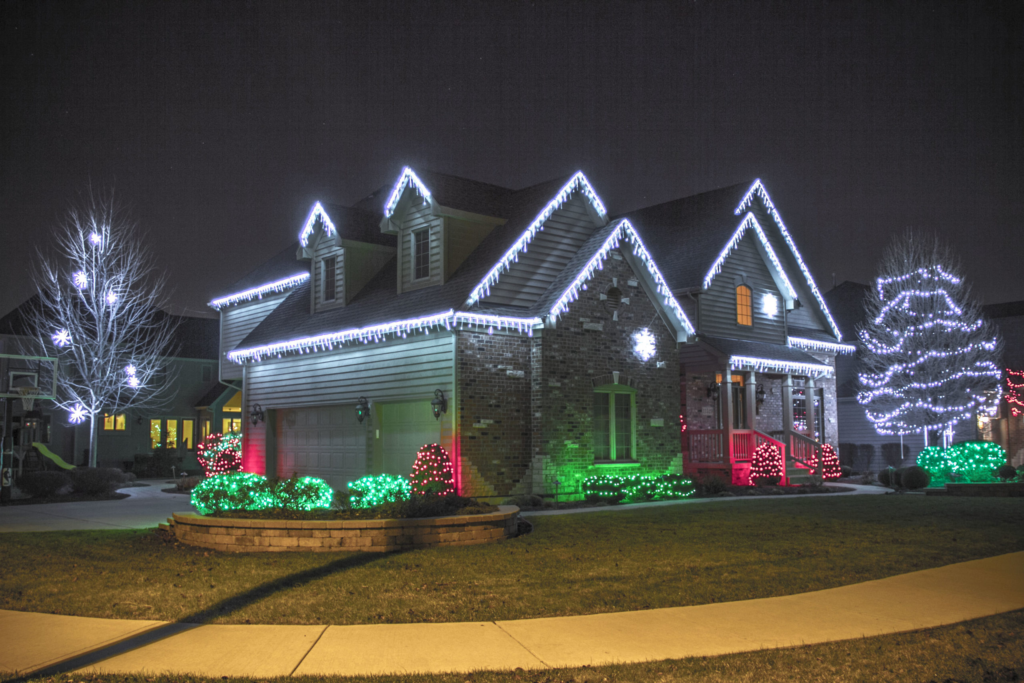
(231, 425)
(156, 433)
(187, 433)
(114, 423)
(744, 314)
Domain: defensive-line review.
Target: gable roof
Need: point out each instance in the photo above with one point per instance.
(447, 190)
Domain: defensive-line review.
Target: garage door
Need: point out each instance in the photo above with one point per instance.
(406, 427)
(326, 442)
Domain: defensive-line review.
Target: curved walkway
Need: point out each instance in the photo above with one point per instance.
(924, 599)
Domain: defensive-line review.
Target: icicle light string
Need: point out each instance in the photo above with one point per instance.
(578, 183)
(749, 221)
(307, 229)
(767, 364)
(259, 292)
(815, 345)
(759, 189)
(407, 178)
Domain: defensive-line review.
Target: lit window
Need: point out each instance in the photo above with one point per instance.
(187, 434)
(744, 316)
(114, 423)
(156, 438)
(206, 429)
(614, 424)
(421, 254)
(770, 305)
(232, 425)
(172, 433)
(330, 269)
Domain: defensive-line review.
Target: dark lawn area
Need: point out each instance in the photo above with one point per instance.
(571, 564)
(985, 650)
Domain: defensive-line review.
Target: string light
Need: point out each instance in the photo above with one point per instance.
(407, 178)
(970, 460)
(749, 221)
(432, 473)
(815, 345)
(78, 414)
(317, 212)
(1013, 391)
(220, 453)
(829, 462)
(579, 183)
(61, 338)
(259, 292)
(644, 344)
(767, 365)
(374, 490)
(639, 487)
(770, 305)
(80, 279)
(759, 189)
(766, 463)
(248, 491)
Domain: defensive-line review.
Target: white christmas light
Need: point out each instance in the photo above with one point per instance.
(770, 305)
(623, 230)
(749, 221)
(61, 338)
(768, 364)
(815, 345)
(258, 292)
(759, 189)
(78, 414)
(307, 229)
(936, 272)
(111, 297)
(95, 238)
(377, 333)
(407, 178)
(644, 344)
(578, 183)
(130, 370)
(80, 279)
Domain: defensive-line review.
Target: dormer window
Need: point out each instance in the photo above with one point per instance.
(330, 270)
(744, 314)
(421, 254)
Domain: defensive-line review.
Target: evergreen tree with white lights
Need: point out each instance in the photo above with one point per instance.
(927, 356)
(99, 314)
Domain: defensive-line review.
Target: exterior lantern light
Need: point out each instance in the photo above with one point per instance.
(759, 397)
(713, 391)
(362, 408)
(439, 404)
(256, 414)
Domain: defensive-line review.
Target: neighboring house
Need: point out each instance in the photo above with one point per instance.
(1007, 427)
(861, 446)
(200, 404)
(536, 338)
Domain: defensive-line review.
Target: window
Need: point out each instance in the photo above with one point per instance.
(187, 434)
(739, 403)
(421, 254)
(172, 434)
(743, 312)
(206, 429)
(156, 434)
(114, 423)
(330, 268)
(231, 425)
(614, 423)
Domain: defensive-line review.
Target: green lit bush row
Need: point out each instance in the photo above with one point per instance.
(374, 490)
(972, 461)
(637, 487)
(247, 491)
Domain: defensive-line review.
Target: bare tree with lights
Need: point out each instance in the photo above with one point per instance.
(928, 358)
(100, 300)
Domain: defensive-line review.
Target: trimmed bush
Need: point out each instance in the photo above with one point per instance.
(247, 491)
(974, 461)
(914, 477)
(97, 481)
(303, 493)
(43, 484)
(220, 453)
(828, 462)
(847, 454)
(892, 481)
(712, 485)
(603, 488)
(373, 490)
(845, 471)
(1006, 472)
(637, 487)
(432, 473)
(766, 465)
(187, 483)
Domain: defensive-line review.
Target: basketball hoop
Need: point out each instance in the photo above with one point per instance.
(28, 397)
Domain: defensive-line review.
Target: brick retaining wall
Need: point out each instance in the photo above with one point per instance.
(375, 535)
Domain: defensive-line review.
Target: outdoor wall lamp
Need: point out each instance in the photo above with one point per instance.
(759, 397)
(439, 404)
(713, 391)
(256, 414)
(362, 408)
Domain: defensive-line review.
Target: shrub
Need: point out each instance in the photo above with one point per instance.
(432, 506)
(303, 493)
(889, 477)
(97, 481)
(829, 462)
(970, 460)
(766, 466)
(525, 500)
(603, 488)
(374, 490)
(914, 477)
(847, 454)
(159, 464)
(1006, 472)
(712, 485)
(893, 454)
(432, 473)
(845, 471)
(42, 484)
(937, 462)
(187, 483)
(247, 491)
(220, 453)
(637, 487)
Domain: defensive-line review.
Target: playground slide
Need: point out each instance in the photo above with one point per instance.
(52, 456)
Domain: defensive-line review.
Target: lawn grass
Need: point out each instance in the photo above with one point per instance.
(986, 650)
(571, 564)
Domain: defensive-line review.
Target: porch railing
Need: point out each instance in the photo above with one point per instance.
(708, 447)
(803, 451)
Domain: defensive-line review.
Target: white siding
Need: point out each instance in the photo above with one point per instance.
(236, 322)
(325, 248)
(419, 218)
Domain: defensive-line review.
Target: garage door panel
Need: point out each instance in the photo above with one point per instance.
(325, 441)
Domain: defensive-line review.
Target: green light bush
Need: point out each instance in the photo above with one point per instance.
(636, 488)
(914, 477)
(374, 490)
(303, 493)
(973, 461)
(247, 491)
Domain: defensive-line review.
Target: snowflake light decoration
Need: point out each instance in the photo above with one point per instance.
(644, 344)
(133, 380)
(111, 297)
(61, 338)
(80, 279)
(78, 414)
(95, 239)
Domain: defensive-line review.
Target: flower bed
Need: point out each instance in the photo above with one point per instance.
(376, 535)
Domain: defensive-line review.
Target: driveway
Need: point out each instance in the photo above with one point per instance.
(145, 507)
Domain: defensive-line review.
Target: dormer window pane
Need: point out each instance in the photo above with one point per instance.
(421, 254)
(330, 268)
(744, 314)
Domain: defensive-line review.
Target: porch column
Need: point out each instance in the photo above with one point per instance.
(725, 396)
(787, 405)
(812, 414)
(751, 397)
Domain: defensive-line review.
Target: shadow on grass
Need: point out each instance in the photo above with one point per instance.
(197, 619)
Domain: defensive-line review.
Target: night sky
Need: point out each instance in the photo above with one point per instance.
(221, 123)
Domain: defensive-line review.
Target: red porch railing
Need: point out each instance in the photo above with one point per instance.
(708, 452)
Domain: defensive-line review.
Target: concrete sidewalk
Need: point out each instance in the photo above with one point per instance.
(923, 599)
(145, 507)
